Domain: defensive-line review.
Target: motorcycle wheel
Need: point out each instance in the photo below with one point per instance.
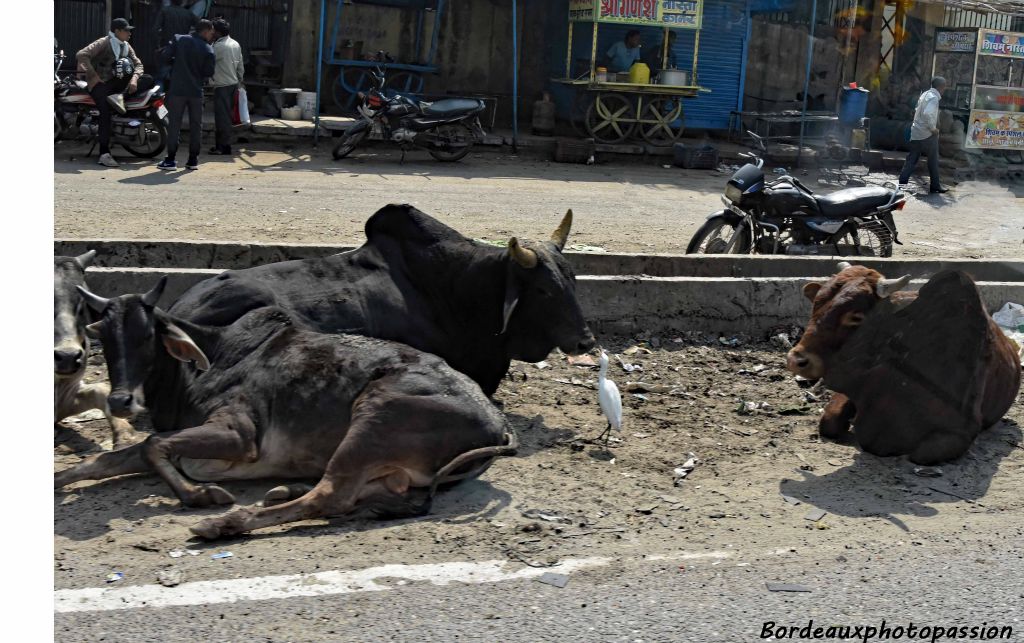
(348, 143)
(714, 236)
(156, 139)
(460, 134)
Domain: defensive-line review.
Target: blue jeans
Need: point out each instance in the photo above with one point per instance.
(930, 147)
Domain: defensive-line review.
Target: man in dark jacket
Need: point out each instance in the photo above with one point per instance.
(172, 20)
(192, 62)
(111, 68)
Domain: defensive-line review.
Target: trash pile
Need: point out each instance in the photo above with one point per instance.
(1010, 319)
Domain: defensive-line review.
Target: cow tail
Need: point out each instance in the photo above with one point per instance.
(443, 476)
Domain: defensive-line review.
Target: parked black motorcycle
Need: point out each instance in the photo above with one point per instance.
(142, 129)
(783, 216)
(447, 128)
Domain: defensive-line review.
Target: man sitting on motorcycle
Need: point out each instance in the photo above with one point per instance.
(111, 68)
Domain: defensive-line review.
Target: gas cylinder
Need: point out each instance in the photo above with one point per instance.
(544, 116)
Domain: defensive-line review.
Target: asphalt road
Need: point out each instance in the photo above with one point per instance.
(976, 584)
(269, 193)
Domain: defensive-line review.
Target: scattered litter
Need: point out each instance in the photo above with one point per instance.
(557, 580)
(169, 577)
(542, 365)
(779, 170)
(746, 408)
(928, 472)
(732, 341)
(640, 396)
(835, 463)
(88, 416)
(113, 577)
(790, 499)
(629, 368)
(178, 553)
(782, 341)
(667, 167)
(633, 350)
(575, 382)
(579, 247)
(679, 473)
(643, 387)
(581, 360)
(641, 435)
(822, 525)
(544, 514)
(803, 382)
(221, 554)
(1010, 319)
(815, 515)
(787, 587)
(147, 546)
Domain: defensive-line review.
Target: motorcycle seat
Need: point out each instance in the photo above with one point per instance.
(852, 201)
(448, 107)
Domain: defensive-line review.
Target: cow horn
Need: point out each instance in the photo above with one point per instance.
(523, 256)
(886, 287)
(843, 265)
(97, 303)
(85, 260)
(153, 296)
(561, 234)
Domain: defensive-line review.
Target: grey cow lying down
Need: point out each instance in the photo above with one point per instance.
(371, 419)
(71, 395)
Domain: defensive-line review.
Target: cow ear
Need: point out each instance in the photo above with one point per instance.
(181, 347)
(811, 289)
(511, 300)
(94, 330)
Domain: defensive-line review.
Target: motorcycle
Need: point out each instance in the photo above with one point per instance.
(783, 216)
(447, 128)
(142, 129)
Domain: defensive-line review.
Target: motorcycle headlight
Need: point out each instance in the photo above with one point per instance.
(733, 193)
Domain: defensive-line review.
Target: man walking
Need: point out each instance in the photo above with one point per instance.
(924, 136)
(192, 62)
(111, 68)
(227, 77)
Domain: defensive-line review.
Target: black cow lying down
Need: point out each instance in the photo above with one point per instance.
(419, 282)
(371, 419)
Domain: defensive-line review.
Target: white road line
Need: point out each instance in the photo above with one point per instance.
(95, 599)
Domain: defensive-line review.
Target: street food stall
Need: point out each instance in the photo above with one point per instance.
(611, 107)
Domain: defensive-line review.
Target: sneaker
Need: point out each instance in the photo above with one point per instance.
(192, 164)
(938, 191)
(107, 160)
(117, 102)
(167, 164)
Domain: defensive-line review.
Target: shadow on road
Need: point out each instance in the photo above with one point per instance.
(887, 487)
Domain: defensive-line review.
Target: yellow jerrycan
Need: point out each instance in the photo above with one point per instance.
(640, 74)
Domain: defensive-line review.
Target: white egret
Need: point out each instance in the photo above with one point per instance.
(610, 400)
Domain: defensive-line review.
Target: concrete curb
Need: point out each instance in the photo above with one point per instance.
(144, 253)
(616, 304)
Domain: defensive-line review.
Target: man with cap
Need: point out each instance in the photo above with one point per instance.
(111, 68)
(192, 62)
(924, 136)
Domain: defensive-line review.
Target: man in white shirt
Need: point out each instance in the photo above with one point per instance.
(924, 136)
(227, 77)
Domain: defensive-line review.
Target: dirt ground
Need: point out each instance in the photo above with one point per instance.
(621, 502)
(279, 194)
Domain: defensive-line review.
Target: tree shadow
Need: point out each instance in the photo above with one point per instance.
(873, 486)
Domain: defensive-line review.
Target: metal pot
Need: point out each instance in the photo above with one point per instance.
(674, 77)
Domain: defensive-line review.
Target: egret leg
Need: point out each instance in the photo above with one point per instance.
(606, 434)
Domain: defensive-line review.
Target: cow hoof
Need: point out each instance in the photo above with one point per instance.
(208, 529)
(208, 495)
(284, 493)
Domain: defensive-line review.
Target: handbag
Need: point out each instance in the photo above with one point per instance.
(240, 108)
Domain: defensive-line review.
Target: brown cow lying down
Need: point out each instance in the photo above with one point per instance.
(918, 374)
(371, 419)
